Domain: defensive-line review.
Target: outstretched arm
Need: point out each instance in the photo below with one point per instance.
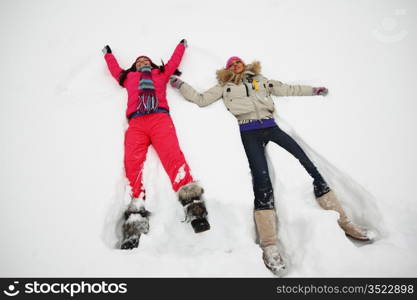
(277, 88)
(189, 93)
(112, 63)
(176, 58)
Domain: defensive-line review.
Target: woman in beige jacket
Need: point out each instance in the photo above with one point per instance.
(246, 93)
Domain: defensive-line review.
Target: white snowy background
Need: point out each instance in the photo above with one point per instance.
(62, 186)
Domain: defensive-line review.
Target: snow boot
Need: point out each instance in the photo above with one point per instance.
(136, 223)
(190, 196)
(329, 201)
(266, 226)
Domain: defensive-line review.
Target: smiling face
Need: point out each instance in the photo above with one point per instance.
(237, 67)
(142, 61)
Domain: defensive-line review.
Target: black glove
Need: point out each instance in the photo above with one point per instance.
(106, 49)
(184, 41)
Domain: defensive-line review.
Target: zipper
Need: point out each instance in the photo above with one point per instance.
(247, 90)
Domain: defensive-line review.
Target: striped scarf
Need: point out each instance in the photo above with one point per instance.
(147, 99)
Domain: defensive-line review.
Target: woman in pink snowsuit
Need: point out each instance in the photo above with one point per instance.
(150, 123)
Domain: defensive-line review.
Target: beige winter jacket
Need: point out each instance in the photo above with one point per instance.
(247, 96)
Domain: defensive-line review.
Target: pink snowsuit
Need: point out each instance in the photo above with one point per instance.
(155, 128)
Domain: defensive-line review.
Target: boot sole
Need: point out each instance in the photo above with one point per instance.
(130, 244)
(278, 271)
(358, 239)
(200, 225)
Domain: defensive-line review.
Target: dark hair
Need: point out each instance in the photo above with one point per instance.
(123, 74)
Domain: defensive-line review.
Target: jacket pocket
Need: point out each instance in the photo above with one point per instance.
(240, 105)
(231, 91)
(262, 98)
(234, 97)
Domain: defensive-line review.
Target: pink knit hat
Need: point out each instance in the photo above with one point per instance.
(144, 56)
(153, 65)
(231, 60)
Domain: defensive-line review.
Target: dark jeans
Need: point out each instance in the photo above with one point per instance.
(254, 142)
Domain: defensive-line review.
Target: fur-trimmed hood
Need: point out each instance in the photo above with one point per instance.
(224, 75)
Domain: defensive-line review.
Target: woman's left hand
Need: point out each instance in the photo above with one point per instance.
(320, 91)
(106, 49)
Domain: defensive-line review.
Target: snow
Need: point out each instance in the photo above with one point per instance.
(62, 186)
(180, 175)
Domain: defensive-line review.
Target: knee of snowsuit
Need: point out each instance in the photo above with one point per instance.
(156, 129)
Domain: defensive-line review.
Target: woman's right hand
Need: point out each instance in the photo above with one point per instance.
(106, 49)
(175, 82)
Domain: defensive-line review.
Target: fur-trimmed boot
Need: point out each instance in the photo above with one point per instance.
(190, 196)
(329, 201)
(266, 226)
(136, 223)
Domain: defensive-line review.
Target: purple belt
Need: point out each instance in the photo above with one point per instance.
(258, 124)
